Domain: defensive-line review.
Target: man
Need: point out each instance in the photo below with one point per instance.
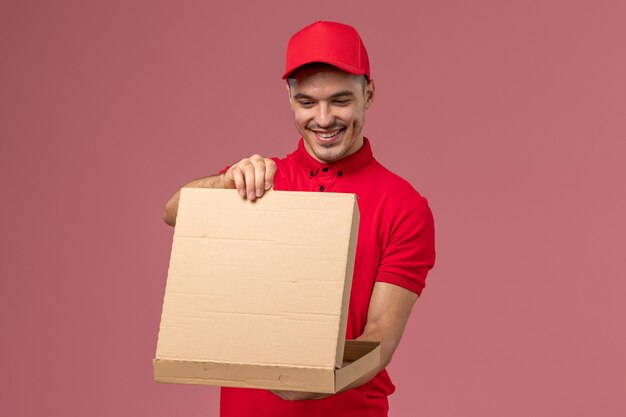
(330, 89)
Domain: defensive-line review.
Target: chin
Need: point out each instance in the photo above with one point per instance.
(327, 156)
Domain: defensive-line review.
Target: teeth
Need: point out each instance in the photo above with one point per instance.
(328, 135)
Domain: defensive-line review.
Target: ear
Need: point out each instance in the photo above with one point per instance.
(370, 90)
(288, 87)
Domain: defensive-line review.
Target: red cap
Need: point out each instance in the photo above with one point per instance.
(330, 42)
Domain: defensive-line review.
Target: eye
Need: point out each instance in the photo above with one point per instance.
(341, 102)
(306, 103)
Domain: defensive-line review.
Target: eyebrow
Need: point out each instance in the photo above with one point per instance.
(300, 96)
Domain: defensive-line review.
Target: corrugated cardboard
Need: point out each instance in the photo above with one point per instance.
(257, 293)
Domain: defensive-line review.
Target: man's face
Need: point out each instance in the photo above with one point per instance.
(329, 110)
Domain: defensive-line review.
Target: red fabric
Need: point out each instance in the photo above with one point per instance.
(395, 245)
(243, 402)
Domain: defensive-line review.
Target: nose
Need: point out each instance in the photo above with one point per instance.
(324, 117)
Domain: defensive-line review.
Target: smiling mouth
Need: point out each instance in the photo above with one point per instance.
(328, 136)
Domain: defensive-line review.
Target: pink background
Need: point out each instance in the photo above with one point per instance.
(508, 115)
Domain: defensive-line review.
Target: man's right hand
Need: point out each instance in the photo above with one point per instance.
(251, 176)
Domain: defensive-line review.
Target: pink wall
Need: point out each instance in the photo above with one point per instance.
(508, 115)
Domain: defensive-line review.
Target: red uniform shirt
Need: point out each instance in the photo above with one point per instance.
(395, 245)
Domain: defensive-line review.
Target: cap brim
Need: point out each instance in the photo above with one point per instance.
(341, 65)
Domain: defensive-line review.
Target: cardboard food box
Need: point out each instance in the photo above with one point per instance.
(257, 293)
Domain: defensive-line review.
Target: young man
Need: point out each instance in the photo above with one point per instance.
(330, 89)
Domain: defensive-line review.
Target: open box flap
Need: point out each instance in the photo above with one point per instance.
(259, 282)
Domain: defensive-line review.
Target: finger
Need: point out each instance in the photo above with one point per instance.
(259, 177)
(270, 170)
(250, 185)
(229, 180)
(240, 183)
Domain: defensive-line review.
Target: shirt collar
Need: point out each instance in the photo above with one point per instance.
(345, 166)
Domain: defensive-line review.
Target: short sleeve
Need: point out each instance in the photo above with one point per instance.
(409, 252)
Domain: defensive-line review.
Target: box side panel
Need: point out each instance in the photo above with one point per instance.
(354, 235)
(357, 366)
(358, 348)
(245, 376)
(256, 283)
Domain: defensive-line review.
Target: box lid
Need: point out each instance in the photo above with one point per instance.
(262, 283)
